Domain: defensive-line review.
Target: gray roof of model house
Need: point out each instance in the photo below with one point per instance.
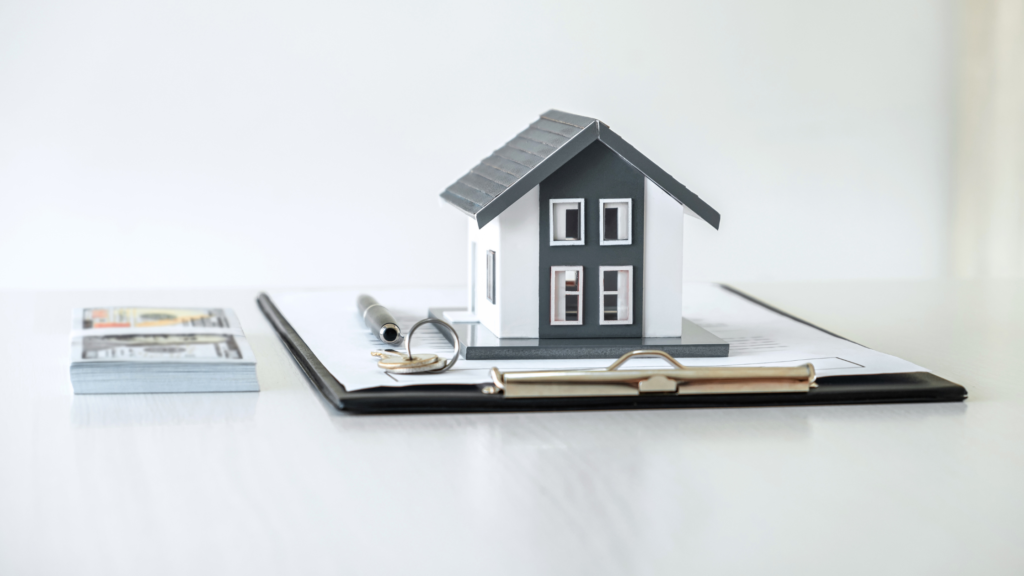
(537, 152)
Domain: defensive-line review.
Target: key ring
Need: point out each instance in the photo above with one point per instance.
(455, 336)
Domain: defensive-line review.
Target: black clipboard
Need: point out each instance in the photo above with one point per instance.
(882, 388)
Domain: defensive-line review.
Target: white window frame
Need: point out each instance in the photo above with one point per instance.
(629, 293)
(629, 221)
(492, 277)
(583, 222)
(554, 292)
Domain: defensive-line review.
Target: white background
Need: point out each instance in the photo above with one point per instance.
(217, 143)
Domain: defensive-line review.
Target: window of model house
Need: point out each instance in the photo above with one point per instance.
(616, 295)
(566, 295)
(567, 222)
(492, 283)
(616, 223)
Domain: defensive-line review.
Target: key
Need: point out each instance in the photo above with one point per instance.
(409, 363)
(438, 364)
(391, 360)
(386, 354)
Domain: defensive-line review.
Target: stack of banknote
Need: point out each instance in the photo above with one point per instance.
(147, 349)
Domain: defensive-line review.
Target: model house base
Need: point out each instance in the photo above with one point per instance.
(479, 343)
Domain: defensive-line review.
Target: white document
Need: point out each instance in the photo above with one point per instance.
(757, 336)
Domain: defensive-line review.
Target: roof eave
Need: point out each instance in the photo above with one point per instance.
(663, 179)
(552, 163)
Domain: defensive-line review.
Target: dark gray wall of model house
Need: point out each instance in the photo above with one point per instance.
(595, 173)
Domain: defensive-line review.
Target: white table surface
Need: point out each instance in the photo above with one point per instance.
(280, 483)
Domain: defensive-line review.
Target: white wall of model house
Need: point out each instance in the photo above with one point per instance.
(663, 263)
(480, 241)
(514, 237)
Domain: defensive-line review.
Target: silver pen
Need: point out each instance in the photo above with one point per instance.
(379, 320)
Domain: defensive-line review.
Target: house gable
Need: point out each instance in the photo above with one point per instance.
(596, 173)
(538, 152)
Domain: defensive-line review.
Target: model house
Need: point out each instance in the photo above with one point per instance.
(573, 233)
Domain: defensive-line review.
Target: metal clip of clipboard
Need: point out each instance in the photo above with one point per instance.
(612, 381)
